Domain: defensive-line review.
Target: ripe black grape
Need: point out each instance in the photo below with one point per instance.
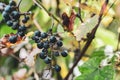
(52, 39)
(44, 35)
(64, 53)
(42, 55)
(59, 43)
(47, 60)
(57, 68)
(12, 39)
(40, 45)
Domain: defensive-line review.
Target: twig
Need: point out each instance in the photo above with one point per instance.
(79, 15)
(40, 5)
(90, 38)
(19, 4)
(17, 58)
(118, 42)
(58, 8)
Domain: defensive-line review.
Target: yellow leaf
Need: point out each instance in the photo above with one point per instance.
(107, 20)
(69, 2)
(89, 8)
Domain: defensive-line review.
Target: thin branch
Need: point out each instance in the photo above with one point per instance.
(17, 58)
(79, 15)
(19, 4)
(58, 8)
(40, 5)
(118, 42)
(90, 38)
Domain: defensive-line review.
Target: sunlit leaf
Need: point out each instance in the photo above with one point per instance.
(86, 27)
(70, 2)
(24, 5)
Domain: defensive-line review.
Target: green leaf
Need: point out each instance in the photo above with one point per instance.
(98, 52)
(4, 29)
(109, 37)
(91, 70)
(91, 65)
(25, 5)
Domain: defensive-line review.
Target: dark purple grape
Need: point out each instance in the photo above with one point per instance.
(5, 14)
(15, 25)
(7, 8)
(37, 33)
(12, 39)
(15, 15)
(53, 39)
(12, 3)
(56, 53)
(57, 68)
(44, 35)
(22, 28)
(24, 21)
(59, 43)
(46, 45)
(21, 34)
(42, 55)
(9, 23)
(45, 50)
(40, 45)
(47, 60)
(64, 53)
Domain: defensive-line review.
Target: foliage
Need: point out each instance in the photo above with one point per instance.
(60, 38)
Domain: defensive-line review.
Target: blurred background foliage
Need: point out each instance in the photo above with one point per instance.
(107, 33)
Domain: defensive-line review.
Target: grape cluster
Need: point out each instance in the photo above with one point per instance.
(50, 45)
(11, 16)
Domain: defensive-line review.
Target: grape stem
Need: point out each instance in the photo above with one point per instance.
(19, 4)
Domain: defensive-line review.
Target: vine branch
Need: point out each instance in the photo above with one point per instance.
(90, 38)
